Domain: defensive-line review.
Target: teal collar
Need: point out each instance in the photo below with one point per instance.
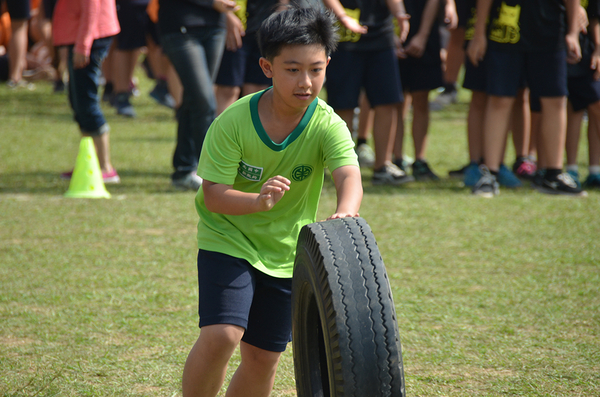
(263, 134)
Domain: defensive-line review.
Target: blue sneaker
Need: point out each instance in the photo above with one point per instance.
(507, 179)
(592, 181)
(471, 174)
(575, 175)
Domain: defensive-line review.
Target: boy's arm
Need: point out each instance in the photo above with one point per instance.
(348, 186)
(594, 32)
(572, 37)
(398, 10)
(348, 22)
(224, 199)
(416, 45)
(478, 45)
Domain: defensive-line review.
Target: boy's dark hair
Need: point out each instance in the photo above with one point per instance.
(297, 26)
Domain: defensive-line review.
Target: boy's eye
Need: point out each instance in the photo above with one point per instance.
(292, 70)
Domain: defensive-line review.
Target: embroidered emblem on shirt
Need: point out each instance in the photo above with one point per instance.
(250, 172)
(301, 172)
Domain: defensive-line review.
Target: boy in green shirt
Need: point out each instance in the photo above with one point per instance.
(263, 163)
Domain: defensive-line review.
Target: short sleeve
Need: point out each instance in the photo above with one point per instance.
(221, 153)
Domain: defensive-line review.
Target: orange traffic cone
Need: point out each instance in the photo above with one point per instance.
(86, 181)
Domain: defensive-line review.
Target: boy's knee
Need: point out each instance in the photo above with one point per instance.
(259, 358)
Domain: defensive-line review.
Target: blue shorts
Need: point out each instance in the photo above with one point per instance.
(583, 91)
(375, 71)
(418, 76)
(17, 9)
(545, 72)
(241, 66)
(231, 291)
(135, 23)
(475, 76)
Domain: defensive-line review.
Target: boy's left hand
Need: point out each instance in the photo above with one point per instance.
(272, 191)
(342, 215)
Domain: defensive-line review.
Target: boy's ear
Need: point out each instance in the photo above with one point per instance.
(328, 59)
(266, 66)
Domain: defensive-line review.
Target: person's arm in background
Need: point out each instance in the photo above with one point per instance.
(345, 19)
(478, 45)
(416, 46)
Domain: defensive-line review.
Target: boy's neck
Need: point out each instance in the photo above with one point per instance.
(278, 119)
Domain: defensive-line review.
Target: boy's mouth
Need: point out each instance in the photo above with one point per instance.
(303, 95)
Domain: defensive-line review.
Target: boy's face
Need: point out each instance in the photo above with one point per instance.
(298, 73)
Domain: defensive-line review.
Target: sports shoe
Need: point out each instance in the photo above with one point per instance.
(161, 95)
(390, 174)
(422, 172)
(524, 168)
(366, 156)
(507, 179)
(471, 174)
(445, 98)
(107, 177)
(562, 184)
(189, 182)
(459, 173)
(592, 181)
(123, 106)
(486, 186)
(575, 176)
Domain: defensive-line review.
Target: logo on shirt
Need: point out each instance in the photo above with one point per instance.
(505, 29)
(250, 172)
(301, 172)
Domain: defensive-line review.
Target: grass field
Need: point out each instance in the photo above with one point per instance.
(98, 297)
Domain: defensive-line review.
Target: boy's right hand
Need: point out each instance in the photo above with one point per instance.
(272, 191)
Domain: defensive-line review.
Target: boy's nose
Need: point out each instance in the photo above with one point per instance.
(304, 80)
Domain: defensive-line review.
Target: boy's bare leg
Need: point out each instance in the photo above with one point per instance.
(553, 129)
(17, 50)
(475, 124)
(226, 95)
(256, 374)
(534, 141)
(206, 365)
(365, 121)
(102, 145)
(497, 119)
(573, 134)
(594, 139)
(384, 124)
(399, 139)
(521, 123)
(124, 65)
(420, 124)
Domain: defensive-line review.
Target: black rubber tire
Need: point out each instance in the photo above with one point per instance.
(344, 327)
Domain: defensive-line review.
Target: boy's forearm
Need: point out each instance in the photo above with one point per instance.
(396, 8)
(572, 7)
(482, 15)
(336, 7)
(223, 199)
(348, 186)
(428, 18)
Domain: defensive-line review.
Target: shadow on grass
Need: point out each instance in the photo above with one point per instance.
(50, 183)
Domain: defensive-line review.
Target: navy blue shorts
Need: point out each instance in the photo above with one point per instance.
(242, 66)
(135, 23)
(583, 91)
(17, 9)
(416, 75)
(475, 76)
(231, 291)
(375, 71)
(545, 72)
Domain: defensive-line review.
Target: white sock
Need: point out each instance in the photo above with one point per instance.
(572, 167)
(594, 169)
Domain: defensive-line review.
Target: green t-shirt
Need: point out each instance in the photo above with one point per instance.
(237, 151)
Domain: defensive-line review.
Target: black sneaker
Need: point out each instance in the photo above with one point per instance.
(562, 184)
(389, 174)
(422, 172)
(486, 186)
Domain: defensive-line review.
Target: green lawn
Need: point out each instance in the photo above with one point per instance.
(98, 297)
